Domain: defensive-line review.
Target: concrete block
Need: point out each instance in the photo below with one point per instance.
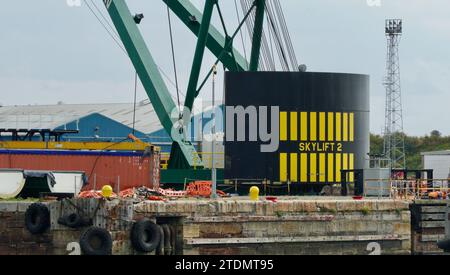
(327, 206)
(220, 230)
(401, 205)
(391, 216)
(345, 206)
(289, 229)
(23, 206)
(309, 206)
(283, 207)
(66, 236)
(154, 207)
(260, 209)
(7, 250)
(246, 207)
(8, 207)
(190, 207)
(402, 229)
(386, 205)
(172, 207)
(386, 228)
(407, 245)
(269, 209)
(13, 224)
(232, 207)
(161, 208)
(371, 205)
(297, 207)
(191, 231)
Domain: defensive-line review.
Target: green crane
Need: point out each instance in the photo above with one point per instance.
(184, 154)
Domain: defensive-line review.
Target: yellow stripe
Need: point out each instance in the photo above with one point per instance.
(294, 167)
(338, 127)
(338, 168)
(313, 167)
(304, 168)
(323, 126)
(352, 167)
(330, 168)
(304, 126)
(345, 122)
(352, 127)
(283, 126)
(283, 167)
(322, 169)
(294, 126)
(313, 126)
(330, 126)
(345, 163)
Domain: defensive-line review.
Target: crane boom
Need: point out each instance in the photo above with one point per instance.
(183, 153)
(150, 76)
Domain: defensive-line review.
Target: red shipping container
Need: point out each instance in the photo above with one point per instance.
(121, 170)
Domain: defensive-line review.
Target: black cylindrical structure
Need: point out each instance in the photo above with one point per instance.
(323, 126)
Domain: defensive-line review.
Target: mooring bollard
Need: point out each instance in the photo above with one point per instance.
(254, 193)
(107, 191)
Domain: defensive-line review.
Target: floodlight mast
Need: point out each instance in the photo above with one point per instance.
(394, 141)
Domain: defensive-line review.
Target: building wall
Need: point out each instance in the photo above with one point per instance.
(98, 127)
(439, 163)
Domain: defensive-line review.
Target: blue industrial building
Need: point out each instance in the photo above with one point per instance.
(97, 122)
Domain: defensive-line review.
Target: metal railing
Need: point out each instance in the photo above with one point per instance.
(408, 189)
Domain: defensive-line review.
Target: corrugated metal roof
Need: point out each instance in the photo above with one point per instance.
(53, 116)
(436, 153)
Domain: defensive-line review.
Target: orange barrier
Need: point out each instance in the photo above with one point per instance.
(202, 189)
(195, 189)
(93, 195)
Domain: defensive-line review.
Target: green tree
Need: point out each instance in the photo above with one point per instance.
(414, 146)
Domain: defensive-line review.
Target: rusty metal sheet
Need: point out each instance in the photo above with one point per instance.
(121, 170)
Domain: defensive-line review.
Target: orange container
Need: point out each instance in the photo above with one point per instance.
(121, 170)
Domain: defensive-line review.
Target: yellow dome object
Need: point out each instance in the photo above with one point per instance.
(254, 193)
(107, 191)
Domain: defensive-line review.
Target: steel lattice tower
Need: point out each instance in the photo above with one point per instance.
(394, 141)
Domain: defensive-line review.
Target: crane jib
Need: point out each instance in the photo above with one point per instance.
(208, 37)
(107, 3)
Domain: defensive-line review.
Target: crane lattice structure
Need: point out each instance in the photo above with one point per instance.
(394, 140)
(219, 43)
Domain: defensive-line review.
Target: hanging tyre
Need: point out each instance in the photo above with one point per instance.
(160, 247)
(145, 236)
(73, 220)
(96, 241)
(444, 245)
(173, 234)
(37, 218)
(167, 239)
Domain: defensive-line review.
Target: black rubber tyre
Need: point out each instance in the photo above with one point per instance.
(96, 241)
(173, 234)
(37, 218)
(160, 247)
(145, 236)
(444, 245)
(167, 239)
(73, 220)
(62, 221)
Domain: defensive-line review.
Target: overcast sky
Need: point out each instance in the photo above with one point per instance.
(50, 52)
